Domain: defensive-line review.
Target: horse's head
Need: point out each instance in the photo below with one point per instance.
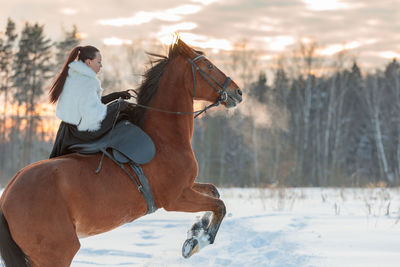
(208, 82)
(201, 79)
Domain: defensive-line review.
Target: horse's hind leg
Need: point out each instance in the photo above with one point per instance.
(57, 250)
(61, 256)
(47, 238)
(46, 249)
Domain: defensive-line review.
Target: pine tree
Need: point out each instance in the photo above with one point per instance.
(6, 57)
(33, 67)
(259, 89)
(65, 46)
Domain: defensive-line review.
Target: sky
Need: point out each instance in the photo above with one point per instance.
(368, 29)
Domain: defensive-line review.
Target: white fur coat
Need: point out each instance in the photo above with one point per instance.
(80, 101)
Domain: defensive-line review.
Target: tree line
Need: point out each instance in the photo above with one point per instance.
(28, 62)
(338, 128)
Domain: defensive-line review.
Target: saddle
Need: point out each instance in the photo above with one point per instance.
(125, 143)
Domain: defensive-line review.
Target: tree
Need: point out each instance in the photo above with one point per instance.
(6, 57)
(392, 87)
(65, 46)
(32, 67)
(258, 96)
(280, 96)
(374, 98)
(244, 63)
(134, 58)
(258, 89)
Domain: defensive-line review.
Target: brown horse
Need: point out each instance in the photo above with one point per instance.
(48, 205)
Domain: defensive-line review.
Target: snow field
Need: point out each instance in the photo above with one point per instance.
(265, 227)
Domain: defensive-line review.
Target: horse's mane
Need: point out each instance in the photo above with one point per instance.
(149, 86)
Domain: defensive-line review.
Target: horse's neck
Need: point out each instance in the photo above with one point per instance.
(171, 96)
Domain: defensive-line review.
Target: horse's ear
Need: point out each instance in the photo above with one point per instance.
(185, 48)
(181, 43)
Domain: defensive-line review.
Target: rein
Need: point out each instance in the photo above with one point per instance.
(223, 95)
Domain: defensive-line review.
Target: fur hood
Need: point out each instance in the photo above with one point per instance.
(80, 101)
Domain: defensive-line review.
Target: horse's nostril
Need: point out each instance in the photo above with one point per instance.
(239, 91)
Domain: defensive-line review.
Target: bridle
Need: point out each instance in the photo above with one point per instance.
(223, 95)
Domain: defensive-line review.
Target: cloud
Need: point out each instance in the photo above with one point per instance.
(389, 54)
(279, 43)
(335, 48)
(318, 5)
(116, 41)
(166, 34)
(68, 11)
(204, 2)
(270, 27)
(141, 17)
(203, 41)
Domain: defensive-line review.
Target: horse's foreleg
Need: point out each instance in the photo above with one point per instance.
(202, 233)
(204, 222)
(208, 189)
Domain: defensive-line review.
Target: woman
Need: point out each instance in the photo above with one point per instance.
(80, 107)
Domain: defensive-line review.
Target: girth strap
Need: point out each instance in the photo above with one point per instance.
(145, 188)
(143, 184)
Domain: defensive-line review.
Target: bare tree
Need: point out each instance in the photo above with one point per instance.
(392, 83)
(244, 63)
(135, 60)
(374, 99)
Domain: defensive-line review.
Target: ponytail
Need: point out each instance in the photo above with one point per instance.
(58, 85)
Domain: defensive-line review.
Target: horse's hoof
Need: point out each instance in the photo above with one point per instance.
(190, 247)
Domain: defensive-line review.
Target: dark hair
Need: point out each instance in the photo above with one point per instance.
(83, 53)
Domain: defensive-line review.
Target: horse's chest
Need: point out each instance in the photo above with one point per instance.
(176, 162)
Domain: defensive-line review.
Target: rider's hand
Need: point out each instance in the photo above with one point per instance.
(124, 94)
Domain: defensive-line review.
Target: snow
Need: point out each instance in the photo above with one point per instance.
(280, 227)
(265, 227)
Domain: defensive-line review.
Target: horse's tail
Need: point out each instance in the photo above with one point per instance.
(12, 254)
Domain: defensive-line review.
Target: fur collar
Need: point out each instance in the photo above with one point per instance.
(80, 67)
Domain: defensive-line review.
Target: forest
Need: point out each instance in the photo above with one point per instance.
(305, 120)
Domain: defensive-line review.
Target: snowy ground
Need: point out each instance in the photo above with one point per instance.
(269, 227)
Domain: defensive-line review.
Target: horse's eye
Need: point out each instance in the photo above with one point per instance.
(210, 66)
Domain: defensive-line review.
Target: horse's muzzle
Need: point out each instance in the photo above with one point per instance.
(234, 98)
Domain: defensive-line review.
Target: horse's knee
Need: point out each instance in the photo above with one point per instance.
(214, 190)
(208, 189)
(222, 207)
